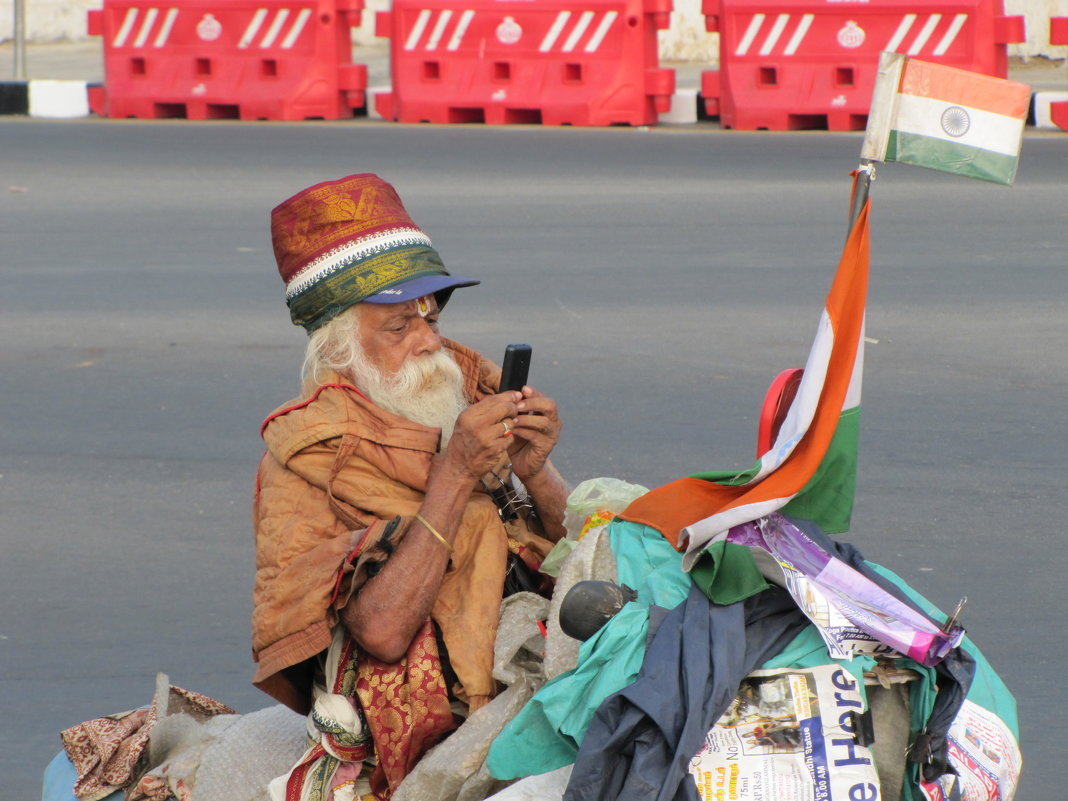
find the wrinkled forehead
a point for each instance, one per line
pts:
(420, 307)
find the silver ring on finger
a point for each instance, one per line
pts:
(507, 428)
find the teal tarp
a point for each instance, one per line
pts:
(546, 734)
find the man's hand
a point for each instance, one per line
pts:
(482, 434)
(535, 432)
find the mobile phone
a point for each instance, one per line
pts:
(515, 367)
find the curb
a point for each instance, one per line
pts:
(1041, 103)
(50, 99)
(45, 99)
(14, 97)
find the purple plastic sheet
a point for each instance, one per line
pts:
(860, 600)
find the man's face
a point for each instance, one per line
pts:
(405, 369)
(392, 333)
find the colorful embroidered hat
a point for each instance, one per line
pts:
(345, 242)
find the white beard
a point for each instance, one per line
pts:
(427, 390)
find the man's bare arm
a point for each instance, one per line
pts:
(388, 610)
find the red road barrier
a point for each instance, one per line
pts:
(1058, 35)
(556, 62)
(788, 64)
(272, 59)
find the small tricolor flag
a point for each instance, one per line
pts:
(810, 469)
(946, 119)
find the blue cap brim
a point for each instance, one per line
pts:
(419, 287)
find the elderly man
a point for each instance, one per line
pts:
(386, 515)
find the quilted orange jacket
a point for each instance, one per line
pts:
(337, 469)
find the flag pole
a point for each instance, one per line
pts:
(865, 175)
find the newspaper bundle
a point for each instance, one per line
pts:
(985, 756)
(789, 735)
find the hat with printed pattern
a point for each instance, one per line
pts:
(351, 241)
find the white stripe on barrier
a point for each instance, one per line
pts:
(146, 27)
(951, 34)
(1043, 109)
(461, 29)
(750, 34)
(576, 34)
(127, 25)
(901, 32)
(295, 31)
(165, 30)
(554, 32)
(776, 32)
(601, 32)
(275, 29)
(417, 29)
(925, 34)
(799, 34)
(439, 30)
(253, 28)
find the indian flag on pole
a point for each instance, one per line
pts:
(810, 469)
(946, 119)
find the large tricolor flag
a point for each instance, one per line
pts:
(946, 119)
(810, 469)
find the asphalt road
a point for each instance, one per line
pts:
(663, 277)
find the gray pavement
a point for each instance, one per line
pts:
(664, 276)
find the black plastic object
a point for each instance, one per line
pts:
(515, 368)
(518, 577)
(14, 97)
(590, 604)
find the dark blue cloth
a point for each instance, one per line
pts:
(640, 742)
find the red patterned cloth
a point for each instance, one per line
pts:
(407, 709)
(107, 752)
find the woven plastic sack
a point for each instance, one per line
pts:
(543, 787)
(455, 770)
(256, 748)
(592, 559)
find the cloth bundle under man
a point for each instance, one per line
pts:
(382, 547)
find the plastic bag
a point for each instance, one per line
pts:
(591, 505)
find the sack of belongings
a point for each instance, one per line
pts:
(788, 667)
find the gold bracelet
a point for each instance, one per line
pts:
(434, 531)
